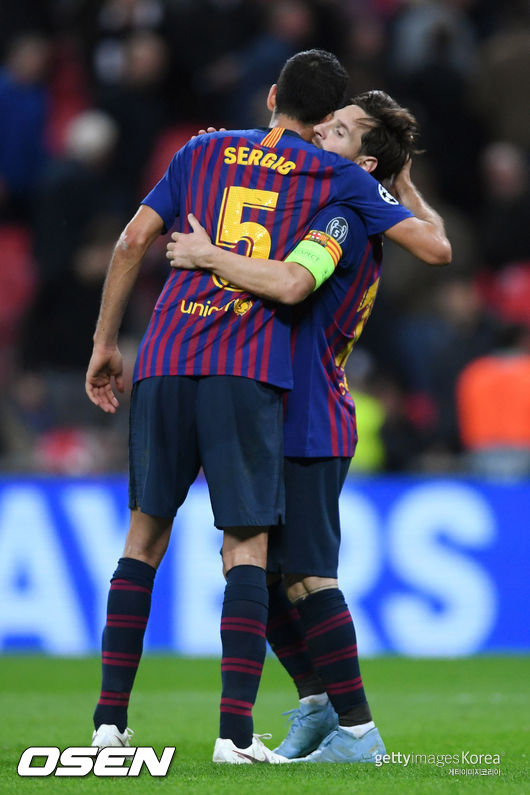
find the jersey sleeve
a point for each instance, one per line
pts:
(376, 206)
(164, 197)
(336, 236)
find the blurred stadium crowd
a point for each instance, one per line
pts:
(96, 95)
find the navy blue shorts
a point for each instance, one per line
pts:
(231, 426)
(309, 540)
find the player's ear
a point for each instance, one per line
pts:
(271, 99)
(367, 162)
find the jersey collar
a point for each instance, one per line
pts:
(285, 131)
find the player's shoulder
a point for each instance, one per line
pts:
(339, 228)
(340, 220)
(345, 226)
(253, 135)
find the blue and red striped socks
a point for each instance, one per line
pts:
(330, 637)
(243, 624)
(286, 636)
(128, 608)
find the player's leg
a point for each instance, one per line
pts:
(240, 439)
(315, 717)
(286, 636)
(311, 543)
(311, 523)
(243, 625)
(285, 631)
(163, 463)
(332, 645)
(128, 607)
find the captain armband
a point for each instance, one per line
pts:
(319, 254)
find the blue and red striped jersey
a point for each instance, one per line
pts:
(255, 192)
(319, 411)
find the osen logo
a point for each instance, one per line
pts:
(386, 196)
(79, 761)
(337, 229)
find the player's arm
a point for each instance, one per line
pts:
(106, 361)
(286, 282)
(424, 235)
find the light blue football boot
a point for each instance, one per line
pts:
(341, 746)
(310, 723)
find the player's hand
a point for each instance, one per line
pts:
(105, 365)
(208, 130)
(402, 181)
(189, 251)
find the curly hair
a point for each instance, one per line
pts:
(393, 136)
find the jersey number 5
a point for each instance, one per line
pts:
(231, 229)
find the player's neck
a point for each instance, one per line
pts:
(281, 120)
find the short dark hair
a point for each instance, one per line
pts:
(393, 137)
(311, 84)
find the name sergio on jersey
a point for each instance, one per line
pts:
(245, 156)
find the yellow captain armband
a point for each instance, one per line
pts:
(319, 254)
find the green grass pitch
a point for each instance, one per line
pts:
(479, 705)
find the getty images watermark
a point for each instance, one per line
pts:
(487, 763)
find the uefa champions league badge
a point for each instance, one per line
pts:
(337, 229)
(386, 196)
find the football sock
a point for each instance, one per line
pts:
(286, 637)
(332, 644)
(318, 699)
(243, 625)
(128, 608)
(359, 730)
